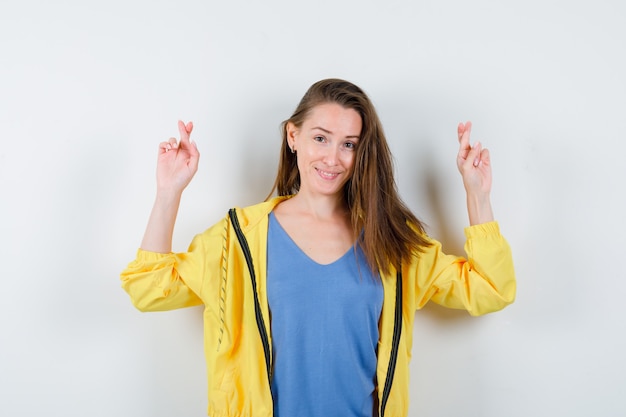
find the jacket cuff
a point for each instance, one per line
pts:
(484, 229)
(145, 255)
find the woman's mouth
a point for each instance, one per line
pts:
(327, 175)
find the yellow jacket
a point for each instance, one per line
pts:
(216, 272)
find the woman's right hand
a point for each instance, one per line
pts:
(177, 162)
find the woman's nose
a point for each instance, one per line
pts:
(331, 156)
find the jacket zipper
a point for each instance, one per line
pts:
(232, 213)
(397, 332)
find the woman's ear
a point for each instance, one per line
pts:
(292, 132)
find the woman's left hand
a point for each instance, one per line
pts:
(473, 163)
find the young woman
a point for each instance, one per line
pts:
(309, 297)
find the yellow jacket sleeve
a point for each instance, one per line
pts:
(153, 283)
(481, 283)
(158, 282)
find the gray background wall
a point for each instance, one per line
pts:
(89, 88)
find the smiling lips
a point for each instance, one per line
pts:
(327, 175)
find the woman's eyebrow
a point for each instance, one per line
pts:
(330, 133)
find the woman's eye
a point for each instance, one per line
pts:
(350, 145)
(319, 139)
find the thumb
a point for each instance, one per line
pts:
(474, 155)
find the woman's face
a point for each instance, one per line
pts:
(325, 147)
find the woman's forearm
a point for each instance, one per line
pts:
(158, 235)
(479, 209)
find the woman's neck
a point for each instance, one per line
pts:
(321, 207)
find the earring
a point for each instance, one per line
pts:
(292, 151)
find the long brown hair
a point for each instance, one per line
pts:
(387, 231)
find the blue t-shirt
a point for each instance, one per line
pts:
(324, 321)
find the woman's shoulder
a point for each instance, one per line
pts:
(250, 216)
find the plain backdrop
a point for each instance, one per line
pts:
(89, 88)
